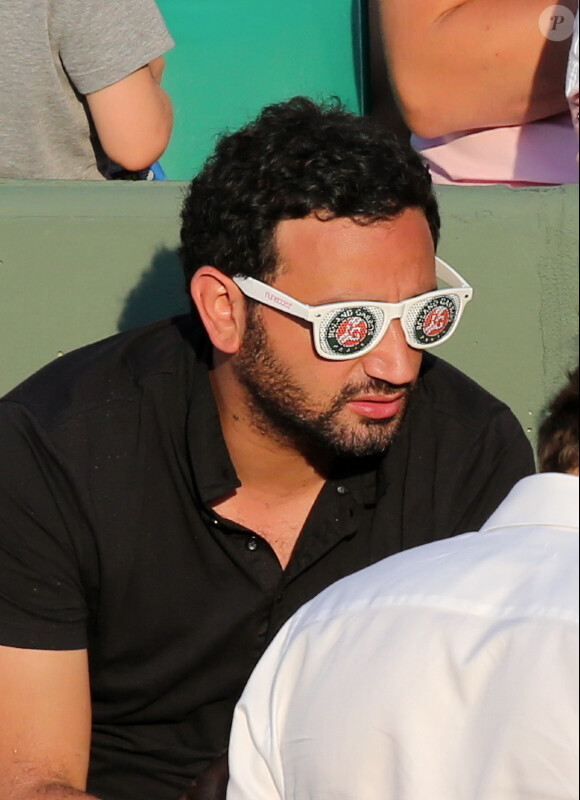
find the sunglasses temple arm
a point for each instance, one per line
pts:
(451, 277)
(263, 293)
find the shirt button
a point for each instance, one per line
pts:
(342, 490)
(252, 544)
(215, 521)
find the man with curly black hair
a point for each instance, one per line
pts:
(169, 497)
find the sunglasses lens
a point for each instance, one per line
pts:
(429, 322)
(349, 331)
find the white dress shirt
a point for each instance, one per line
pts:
(448, 672)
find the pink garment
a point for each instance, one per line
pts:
(572, 76)
(542, 152)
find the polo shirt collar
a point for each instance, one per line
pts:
(213, 470)
(214, 473)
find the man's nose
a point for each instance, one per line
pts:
(393, 360)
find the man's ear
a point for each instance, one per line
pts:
(221, 306)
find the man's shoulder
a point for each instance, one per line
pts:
(113, 370)
(448, 393)
(500, 571)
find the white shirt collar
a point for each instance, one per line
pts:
(546, 499)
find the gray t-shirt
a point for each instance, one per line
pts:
(54, 53)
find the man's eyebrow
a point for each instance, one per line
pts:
(367, 301)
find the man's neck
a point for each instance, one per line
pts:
(264, 462)
(279, 484)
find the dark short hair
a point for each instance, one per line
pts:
(296, 159)
(558, 448)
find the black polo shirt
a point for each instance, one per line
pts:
(109, 460)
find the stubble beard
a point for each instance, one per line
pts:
(280, 408)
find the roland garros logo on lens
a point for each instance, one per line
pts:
(435, 319)
(350, 331)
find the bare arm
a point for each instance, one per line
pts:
(134, 117)
(45, 724)
(461, 64)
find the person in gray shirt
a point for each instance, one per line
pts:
(81, 88)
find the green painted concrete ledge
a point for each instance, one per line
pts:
(80, 261)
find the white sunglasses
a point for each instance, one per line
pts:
(349, 330)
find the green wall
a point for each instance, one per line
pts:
(519, 248)
(232, 57)
(80, 261)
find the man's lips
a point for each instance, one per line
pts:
(377, 406)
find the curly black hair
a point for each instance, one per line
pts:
(296, 159)
(558, 438)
